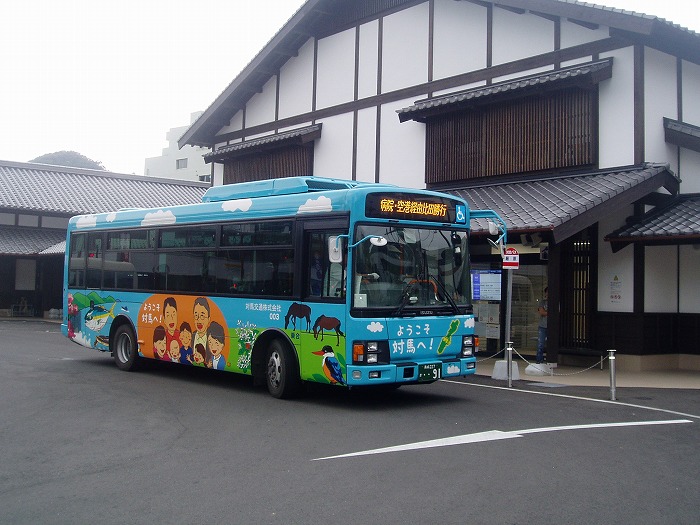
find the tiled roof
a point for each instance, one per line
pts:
(565, 205)
(591, 72)
(299, 136)
(682, 134)
(676, 222)
(56, 249)
(633, 14)
(29, 241)
(72, 191)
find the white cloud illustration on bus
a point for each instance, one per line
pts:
(86, 221)
(322, 204)
(159, 218)
(375, 327)
(237, 204)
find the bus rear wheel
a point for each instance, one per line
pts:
(124, 348)
(282, 371)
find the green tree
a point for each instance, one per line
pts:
(69, 159)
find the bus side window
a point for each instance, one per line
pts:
(94, 261)
(76, 263)
(324, 279)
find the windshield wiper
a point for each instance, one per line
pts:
(447, 296)
(405, 297)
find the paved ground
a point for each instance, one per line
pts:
(83, 442)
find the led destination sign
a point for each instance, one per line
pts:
(414, 207)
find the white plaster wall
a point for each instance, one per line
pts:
(260, 109)
(405, 48)
(521, 74)
(691, 88)
(235, 124)
(660, 100)
(296, 126)
(575, 61)
(335, 78)
(366, 145)
(457, 89)
(690, 171)
(333, 151)
(520, 36)
(660, 279)
(297, 82)
(401, 149)
(368, 61)
(689, 300)
(616, 112)
(459, 38)
(616, 270)
(218, 178)
(574, 34)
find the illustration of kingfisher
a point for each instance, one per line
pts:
(331, 366)
(97, 316)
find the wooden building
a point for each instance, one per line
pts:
(36, 201)
(579, 124)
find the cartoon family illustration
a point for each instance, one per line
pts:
(191, 330)
(205, 345)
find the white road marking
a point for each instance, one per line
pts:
(495, 435)
(567, 396)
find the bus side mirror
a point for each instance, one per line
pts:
(335, 254)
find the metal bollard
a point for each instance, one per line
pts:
(611, 358)
(509, 363)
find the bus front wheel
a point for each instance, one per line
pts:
(282, 371)
(124, 348)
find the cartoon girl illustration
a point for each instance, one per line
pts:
(197, 357)
(186, 349)
(159, 342)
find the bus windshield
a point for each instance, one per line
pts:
(415, 268)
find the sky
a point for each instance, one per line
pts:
(109, 79)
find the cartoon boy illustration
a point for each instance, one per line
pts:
(201, 313)
(170, 318)
(159, 343)
(186, 340)
(174, 351)
(215, 343)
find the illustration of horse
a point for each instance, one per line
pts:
(327, 323)
(298, 311)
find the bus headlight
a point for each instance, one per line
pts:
(370, 352)
(467, 345)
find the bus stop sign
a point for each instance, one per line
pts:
(511, 259)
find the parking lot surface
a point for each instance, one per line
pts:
(83, 442)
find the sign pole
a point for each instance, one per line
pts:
(509, 344)
(511, 261)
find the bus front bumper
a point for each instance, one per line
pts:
(410, 372)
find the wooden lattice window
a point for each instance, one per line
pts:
(536, 133)
(291, 161)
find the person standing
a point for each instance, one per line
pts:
(542, 308)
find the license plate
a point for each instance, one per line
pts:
(431, 372)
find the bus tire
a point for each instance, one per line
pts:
(125, 348)
(282, 372)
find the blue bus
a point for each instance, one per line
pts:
(292, 280)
